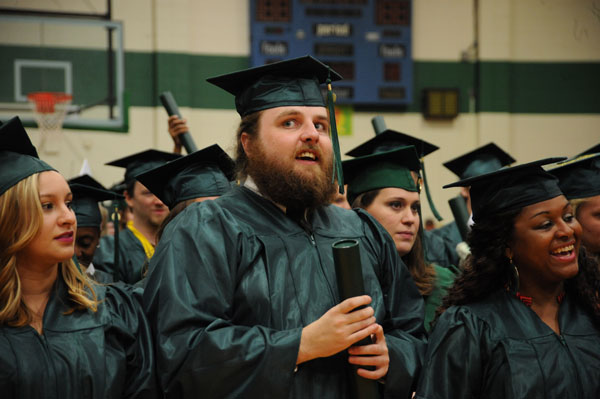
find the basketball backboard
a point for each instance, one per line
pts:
(77, 50)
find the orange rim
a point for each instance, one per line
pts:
(45, 101)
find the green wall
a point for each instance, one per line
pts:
(548, 87)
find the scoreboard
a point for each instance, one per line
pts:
(368, 42)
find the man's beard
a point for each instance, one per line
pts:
(288, 187)
(155, 221)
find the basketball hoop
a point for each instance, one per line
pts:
(49, 109)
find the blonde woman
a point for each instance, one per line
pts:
(61, 335)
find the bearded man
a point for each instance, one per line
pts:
(242, 291)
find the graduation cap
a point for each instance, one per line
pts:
(85, 203)
(592, 150)
(482, 160)
(86, 180)
(285, 83)
(579, 177)
(511, 188)
(380, 170)
(18, 157)
(142, 161)
(204, 173)
(290, 82)
(389, 140)
(118, 187)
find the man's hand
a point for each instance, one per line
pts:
(375, 354)
(176, 127)
(337, 329)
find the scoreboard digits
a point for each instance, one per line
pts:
(367, 41)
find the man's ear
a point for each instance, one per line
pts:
(508, 252)
(128, 198)
(464, 192)
(245, 140)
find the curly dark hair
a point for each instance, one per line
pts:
(488, 269)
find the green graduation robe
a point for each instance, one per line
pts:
(500, 348)
(443, 280)
(438, 250)
(445, 239)
(106, 354)
(131, 257)
(233, 282)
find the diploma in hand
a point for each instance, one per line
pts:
(348, 270)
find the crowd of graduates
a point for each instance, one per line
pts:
(207, 276)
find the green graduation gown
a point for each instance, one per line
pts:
(500, 348)
(449, 237)
(443, 279)
(438, 250)
(106, 354)
(131, 257)
(233, 282)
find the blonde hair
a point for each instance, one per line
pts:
(20, 220)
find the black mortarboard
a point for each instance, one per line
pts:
(380, 170)
(86, 180)
(85, 203)
(511, 188)
(18, 157)
(290, 82)
(204, 173)
(592, 150)
(389, 140)
(486, 159)
(286, 83)
(142, 161)
(118, 187)
(579, 177)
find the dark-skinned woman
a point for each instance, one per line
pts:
(522, 320)
(89, 226)
(61, 334)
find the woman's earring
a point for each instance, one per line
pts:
(515, 276)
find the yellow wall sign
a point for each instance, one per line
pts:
(343, 119)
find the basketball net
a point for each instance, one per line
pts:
(49, 110)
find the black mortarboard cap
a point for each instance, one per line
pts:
(118, 187)
(380, 170)
(486, 159)
(511, 188)
(579, 177)
(389, 140)
(86, 180)
(592, 150)
(284, 83)
(85, 204)
(204, 173)
(18, 157)
(142, 161)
